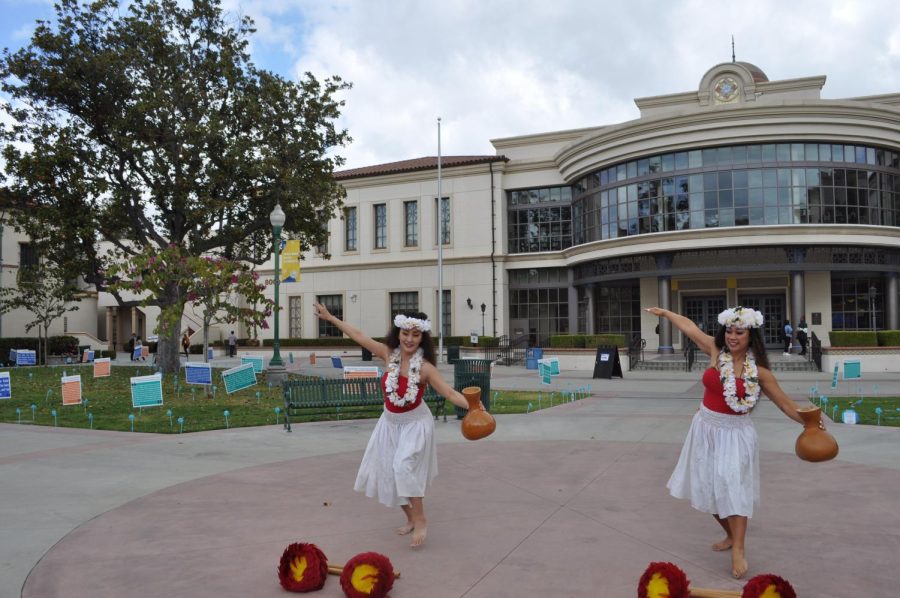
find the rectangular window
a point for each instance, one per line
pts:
(442, 221)
(404, 302)
(411, 226)
(295, 328)
(320, 217)
(380, 226)
(27, 256)
(350, 229)
(335, 304)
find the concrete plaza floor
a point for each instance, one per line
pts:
(568, 501)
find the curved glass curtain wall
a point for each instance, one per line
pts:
(740, 185)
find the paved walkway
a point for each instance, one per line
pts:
(568, 501)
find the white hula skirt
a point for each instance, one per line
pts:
(718, 469)
(400, 460)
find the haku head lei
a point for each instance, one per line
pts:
(406, 323)
(741, 317)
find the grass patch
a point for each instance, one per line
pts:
(108, 402)
(867, 409)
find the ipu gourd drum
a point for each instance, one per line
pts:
(477, 423)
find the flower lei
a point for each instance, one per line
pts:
(392, 383)
(750, 376)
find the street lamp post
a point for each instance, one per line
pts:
(276, 373)
(873, 292)
(483, 307)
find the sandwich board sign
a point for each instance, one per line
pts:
(606, 363)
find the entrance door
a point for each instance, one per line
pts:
(773, 311)
(704, 312)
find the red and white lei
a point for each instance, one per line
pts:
(392, 382)
(750, 376)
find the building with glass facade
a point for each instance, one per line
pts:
(741, 191)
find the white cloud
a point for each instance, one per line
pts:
(496, 68)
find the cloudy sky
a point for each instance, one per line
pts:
(493, 69)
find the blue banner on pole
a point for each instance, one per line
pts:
(198, 373)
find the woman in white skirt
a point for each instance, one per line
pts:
(718, 469)
(400, 460)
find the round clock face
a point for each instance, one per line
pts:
(726, 89)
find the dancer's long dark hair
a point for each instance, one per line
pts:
(757, 345)
(392, 340)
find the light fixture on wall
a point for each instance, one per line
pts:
(469, 303)
(353, 297)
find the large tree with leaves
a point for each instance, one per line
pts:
(143, 127)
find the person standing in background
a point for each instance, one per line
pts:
(803, 334)
(788, 333)
(232, 344)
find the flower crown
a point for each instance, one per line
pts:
(407, 323)
(741, 317)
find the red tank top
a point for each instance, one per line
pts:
(402, 383)
(714, 392)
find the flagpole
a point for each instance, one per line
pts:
(440, 240)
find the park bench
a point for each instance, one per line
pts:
(342, 397)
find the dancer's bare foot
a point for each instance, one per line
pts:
(723, 545)
(403, 530)
(418, 537)
(738, 563)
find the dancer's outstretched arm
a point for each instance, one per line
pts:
(706, 343)
(377, 349)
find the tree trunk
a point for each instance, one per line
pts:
(168, 357)
(168, 345)
(205, 340)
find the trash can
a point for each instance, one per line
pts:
(532, 355)
(366, 354)
(452, 353)
(473, 372)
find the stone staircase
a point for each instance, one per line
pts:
(677, 362)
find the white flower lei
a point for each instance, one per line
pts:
(750, 376)
(392, 383)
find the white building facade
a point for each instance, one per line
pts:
(742, 191)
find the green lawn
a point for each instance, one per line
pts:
(867, 409)
(107, 402)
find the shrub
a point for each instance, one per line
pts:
(567, 341)
(604, 340)
(853, 338)
(62, 345)
(888, 338)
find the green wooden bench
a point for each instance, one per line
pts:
(342, 397)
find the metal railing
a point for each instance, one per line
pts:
(815, 350)
(508, 351)
(636, 351)
(690, 354)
